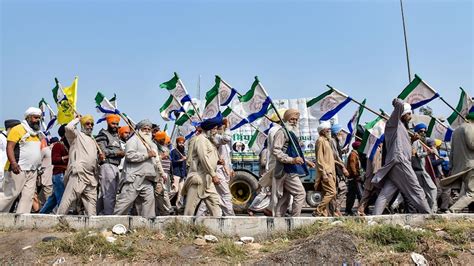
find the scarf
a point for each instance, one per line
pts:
(30, 132)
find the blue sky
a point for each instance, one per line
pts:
(295, 47)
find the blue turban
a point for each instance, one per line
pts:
(336, 128)
(211, 123)
(419, 127)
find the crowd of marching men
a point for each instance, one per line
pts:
(136, 170)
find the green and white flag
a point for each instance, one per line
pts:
(418, 93)
(176, 88)
(465, 105)
(326, 105)
(235, 120)
(171, 109)
(185, 123)
(226, 93)
(255, 102)
(212, 107)
(437, 130)
(373, 137)
(257, 141)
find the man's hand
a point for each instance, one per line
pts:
(220, 162)
(345, 172)
(120, 154)
(151, 153)
(298, 160)
(216, 180)
(183, 158)
(310, 164)
(164, 156)
(101, 157)
(165, 177)
(15, 168)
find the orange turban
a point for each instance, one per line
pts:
(180, 138)
(111, 118)
(167, 140)
(160, 135)
(123, 130)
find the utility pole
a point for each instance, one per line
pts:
(406, 42)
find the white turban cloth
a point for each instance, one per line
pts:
(324, 125)
(33, 111)
(406, 109)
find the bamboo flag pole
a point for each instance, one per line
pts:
(78, 114)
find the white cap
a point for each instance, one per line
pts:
(33, 111)
(324, 125)
(406, 109)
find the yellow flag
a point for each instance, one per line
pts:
(67, 104)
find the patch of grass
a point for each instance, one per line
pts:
(180, 229)
(302, 232)
(227, 248)
(63, 226)
(459, 231)
(85, 245)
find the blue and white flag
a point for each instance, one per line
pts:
(176, 88)
(352, 125)
(255, 102)
(326, 105)
(418, 93)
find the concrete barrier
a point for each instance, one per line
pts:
(230, 226)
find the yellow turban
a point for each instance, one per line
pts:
(438, 142)
(274, 116)
(87, 118)
(111, 118)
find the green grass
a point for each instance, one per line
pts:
(227, 248)
(180, 229)
(85, 245)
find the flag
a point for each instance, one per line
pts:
(352, 125)
(66, 99)
(255, 102)
(465, 105)
(166, 127)
(226, 93)
(212, 106)
(170, 109)
(373, 136)
(418, 93)
(257, 141)
(436, 130)
(235, 120)
(185, 123)
(326, 105)
(105, 106)
(176, 88)
(43, 105)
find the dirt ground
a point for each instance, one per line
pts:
(440, 242)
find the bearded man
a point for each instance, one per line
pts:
(202, 177)
(397, 173)
(109, 143)
(290, 166)
(178, 161)
(141, 171)
(80, 177)
(24, 159)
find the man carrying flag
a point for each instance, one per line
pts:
(109, 143)
(397, 172)
(83, 159)
(289, 167)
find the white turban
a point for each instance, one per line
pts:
(406, 109)
(324, 125)
(33, 111)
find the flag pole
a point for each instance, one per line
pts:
(282, 123)
(456, 111)
(406, 42)
(77, 113)
(191, 100)
(439, 122)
